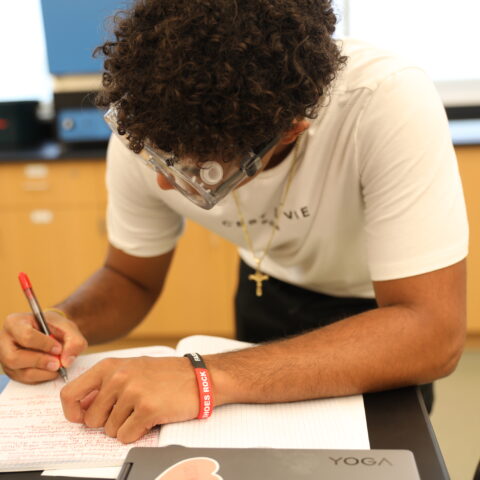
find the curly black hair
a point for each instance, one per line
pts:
(217, 77)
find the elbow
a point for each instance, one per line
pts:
(450, 346)
(450, 362)
(452, 356)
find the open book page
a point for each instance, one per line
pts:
(98, 472)
(337, 423)
(36, 435)
(334, 423)
(203, 344)
(207, 344)
(329, 423)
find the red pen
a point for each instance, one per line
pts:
(38, 314)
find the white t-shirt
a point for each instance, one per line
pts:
(376, 194)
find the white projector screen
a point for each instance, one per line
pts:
(441, 36)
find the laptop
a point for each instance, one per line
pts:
(182, 463)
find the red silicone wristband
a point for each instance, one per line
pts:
(204, 386)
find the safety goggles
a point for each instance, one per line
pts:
(204, 183)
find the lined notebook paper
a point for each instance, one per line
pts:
(36, 436)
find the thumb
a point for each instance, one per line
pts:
(68, 333)
(74, 344)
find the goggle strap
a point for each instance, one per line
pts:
(251, 166)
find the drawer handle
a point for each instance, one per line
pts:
(41, 216)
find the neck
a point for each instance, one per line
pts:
(279, 155)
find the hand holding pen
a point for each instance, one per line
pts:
(38, 314)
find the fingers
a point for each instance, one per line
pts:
(118, 415)
(30, 375)
(78, 394)
(26, 354)
(125, 419)
(87, 401)
(133, 428)
(16, 358)
(68, 333)
(23, 329)
(129, 396)
(100, 408)
(93, 398)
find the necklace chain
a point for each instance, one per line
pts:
(259, 277)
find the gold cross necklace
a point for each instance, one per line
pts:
(259, 277)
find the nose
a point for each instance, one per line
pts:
(163, 182)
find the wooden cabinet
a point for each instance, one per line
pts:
(469, 163)
(198, 295)
(52, 226)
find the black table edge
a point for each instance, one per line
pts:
(398, 419)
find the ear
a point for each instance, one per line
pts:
(298, 127)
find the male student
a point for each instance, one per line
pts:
(328, 163)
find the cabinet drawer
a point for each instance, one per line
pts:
(199, 291)
(469, 163)
(52, 183)
(58, 253)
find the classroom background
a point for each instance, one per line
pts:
(52, 195)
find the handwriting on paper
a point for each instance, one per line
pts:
(36, 435)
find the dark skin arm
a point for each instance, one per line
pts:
(108, 305)
(415, 336)
(117, 297)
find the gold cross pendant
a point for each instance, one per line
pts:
(258, 277)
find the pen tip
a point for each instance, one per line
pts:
(63, 373)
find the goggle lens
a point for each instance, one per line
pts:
(203, 183)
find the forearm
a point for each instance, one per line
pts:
(108, 305)
(380, 349)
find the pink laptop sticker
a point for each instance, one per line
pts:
(197, 468)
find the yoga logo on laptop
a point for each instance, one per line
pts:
(352, 461)
(197, 468)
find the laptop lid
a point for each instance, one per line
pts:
(182, 463)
